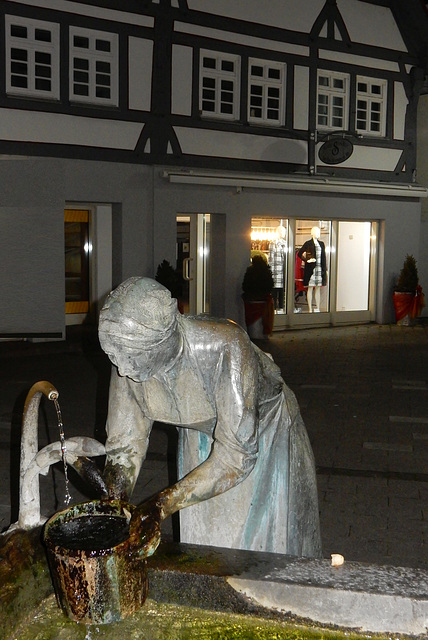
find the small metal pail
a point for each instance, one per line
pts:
(98, 578)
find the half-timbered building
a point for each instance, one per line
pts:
(139, 131)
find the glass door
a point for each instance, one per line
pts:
(194, 262)
(356, 270)
(77, 249)
(312, 251)
(270, 239)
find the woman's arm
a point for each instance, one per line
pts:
(128, 432)
(235, 445)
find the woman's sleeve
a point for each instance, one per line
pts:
(236, 393)
(235, 445)
(128, 432)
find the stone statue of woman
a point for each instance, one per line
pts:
(246, 468)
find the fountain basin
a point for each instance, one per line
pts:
(357, 596)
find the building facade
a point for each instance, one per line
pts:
(190, 131)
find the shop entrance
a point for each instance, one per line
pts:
(324, 270)
(201, 243)
(77, 251)
(88, 261)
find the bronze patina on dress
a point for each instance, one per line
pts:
(246, 468)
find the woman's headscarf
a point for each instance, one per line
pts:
(140, 312)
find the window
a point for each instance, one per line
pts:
(32, 58)
(93, 67)
(371, 106)
(266, 92)
(332, 100)
(219, 85)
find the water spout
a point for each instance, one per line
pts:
(34, 462)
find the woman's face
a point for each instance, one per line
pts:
(141, 364)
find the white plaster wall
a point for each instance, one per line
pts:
(296, 15)
(128, 188)
(223, 144)
(181, 89)
(91, 11)
(32, 286)
(301, 98)
(60, 128)
(140, 75)
(400, 106)
(371, 24)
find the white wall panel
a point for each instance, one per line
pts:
(240, 38)
(181, 98)
(301, 98)
(297, 15)
(363, 61)
(58, 128)
(400, 106)
(92, 11)
(140, 73)
(203, 142)
(371, 24)
(31, 248)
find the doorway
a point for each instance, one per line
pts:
(77, 250)
(200, 246)
(88, 260)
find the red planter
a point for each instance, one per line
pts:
(408, 304)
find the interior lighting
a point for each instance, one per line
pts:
(259, 235)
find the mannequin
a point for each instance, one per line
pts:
(315, 275)
(277, 253)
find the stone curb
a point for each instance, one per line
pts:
(360, 597)
(357, 596)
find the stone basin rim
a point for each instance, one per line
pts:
(358, 596)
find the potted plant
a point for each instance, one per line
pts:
(257, 287)
(408, 296)
(170, 279)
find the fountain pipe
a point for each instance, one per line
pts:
(34, 462)
(29, 499)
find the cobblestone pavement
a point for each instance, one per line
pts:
(363, 393)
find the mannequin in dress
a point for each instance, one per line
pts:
(277, 253)
(315, 275)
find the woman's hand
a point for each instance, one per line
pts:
(145, 532)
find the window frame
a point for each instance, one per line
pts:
(266, 83)
(331, 92)
(371, 99)
(93, 56)
(32, 46)
(217, 76)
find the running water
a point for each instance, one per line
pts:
(67, 498)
